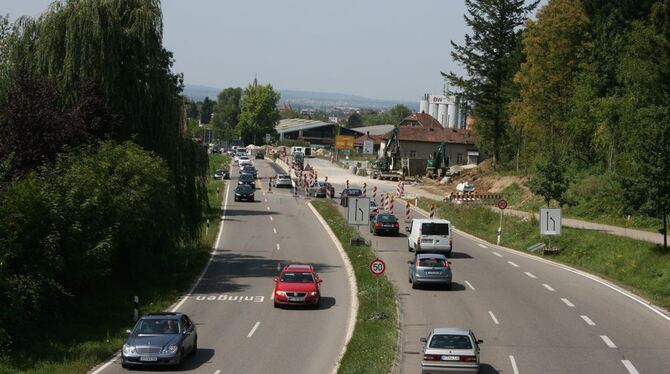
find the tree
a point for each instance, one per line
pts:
(488, 58)
(398, 113)
(192, 110)
(227, 112)
(553, 47)
(354, 120)
(259, 114)
(206, 110)
(549, 180)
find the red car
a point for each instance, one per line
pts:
(297, 285)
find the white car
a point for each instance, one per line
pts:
(239, 158)
(244, 160)
(450, 350)
(430, 235)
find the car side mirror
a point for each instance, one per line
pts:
(319, 281)
(410, 262)
(407, 229)
(449, 262)
(276, 279)
(479, 341)
(128, 332)
(423, 340)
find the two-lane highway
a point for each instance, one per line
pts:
(239, 331)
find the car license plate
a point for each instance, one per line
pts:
(426, 240)
(297, 299)
(387, 225)
(148, 358)
(450, 358)
(433, 272)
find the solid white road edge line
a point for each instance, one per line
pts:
(608, 341)
(513, 362)
(588, 320)
(495, 320)
(183, 299)
(568, 303)
(353, 288)
(253, 329)
(531, 275)
(469, 285)
(513, 264)
(657, 310)
(630, 367)
(548, 287)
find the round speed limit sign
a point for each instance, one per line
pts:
(377, 267)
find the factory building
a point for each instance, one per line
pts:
(446, 109)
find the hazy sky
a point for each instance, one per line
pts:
(385, 49)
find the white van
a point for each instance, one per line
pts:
(295, 149)
(430, 236)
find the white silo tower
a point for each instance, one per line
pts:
(432, 110)
(423, 104)
(442, 114)
(453, 113)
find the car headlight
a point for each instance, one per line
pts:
(172, 348)
(128, 349)
(281, 293)
(315, 293)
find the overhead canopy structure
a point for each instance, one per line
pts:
(312, 131)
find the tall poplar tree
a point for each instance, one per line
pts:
(490, 61)
(259, 114)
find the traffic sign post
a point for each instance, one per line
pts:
(502, 204)
(550, 223)
(377, 268)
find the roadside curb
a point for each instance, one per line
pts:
(353, 287)
(613, 286)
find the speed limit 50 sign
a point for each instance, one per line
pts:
(377, 267)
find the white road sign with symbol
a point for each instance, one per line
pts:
(550, 221)
(377, 267)
(358, 212)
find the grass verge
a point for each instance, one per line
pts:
(90, 332)
(372, 346)
(637, 265)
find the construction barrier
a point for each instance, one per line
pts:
(391, 204)
(407, 211)
(365, 189)
(471, 196)
(374, 193)
(400, 188)
(347, 183)
(270, 185)
(432, 210)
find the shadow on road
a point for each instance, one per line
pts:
(245, 212)
(487, 369)
(460, 255)
(192, 362)
(432, 287)
(326, 303)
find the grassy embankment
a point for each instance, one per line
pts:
(91, 332)
(639, 266)
(372, 346)
(588, 210)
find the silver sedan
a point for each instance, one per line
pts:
(430, 268)
(450, 350)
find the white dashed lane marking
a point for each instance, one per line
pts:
(548, 287)
(588, 321)
(497, 254)
(530, 275)
(469, 285)
(630, 367)
(513, 362)
(608, 341)
(495, 320)
(568, 303)
(271, 219)
(278, 248)
(268, 208)
(513, 264)
(253, 330)
(274, 230)
(482, 245)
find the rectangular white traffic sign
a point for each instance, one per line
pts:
(358, 212)
(550, 221)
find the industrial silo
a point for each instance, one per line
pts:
(423, 104)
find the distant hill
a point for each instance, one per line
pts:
(309, 99)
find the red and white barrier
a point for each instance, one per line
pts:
(407, 211)
(374, 193)
(432, 210)
(365, 189)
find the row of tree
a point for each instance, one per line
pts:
(580, 90)
(98, 185)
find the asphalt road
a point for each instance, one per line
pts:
(239, 331)
(534, 316)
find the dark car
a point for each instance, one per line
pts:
(247, 179)
(221, 174)
(349, 192)
(260, 155)
(249, 169)
(244, 192)
(384, 223)
(160, 339)
(320, 189)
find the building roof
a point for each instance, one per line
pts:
(435, 135)
(420, 119)
(376, 139)
(296, 124)
(374, 130)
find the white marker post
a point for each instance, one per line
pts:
(502, 204)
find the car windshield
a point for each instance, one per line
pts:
(431, 262)
(373, 204)
(355, 192)
(450, 342)
(220, 171)
(155, 326)
(246, 177)
(386, 218)
(435, 229)
(244, 157)
(244, 188)
(297, 277)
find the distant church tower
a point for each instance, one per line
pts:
(255, 84)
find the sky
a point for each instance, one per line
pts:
(382, 49)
